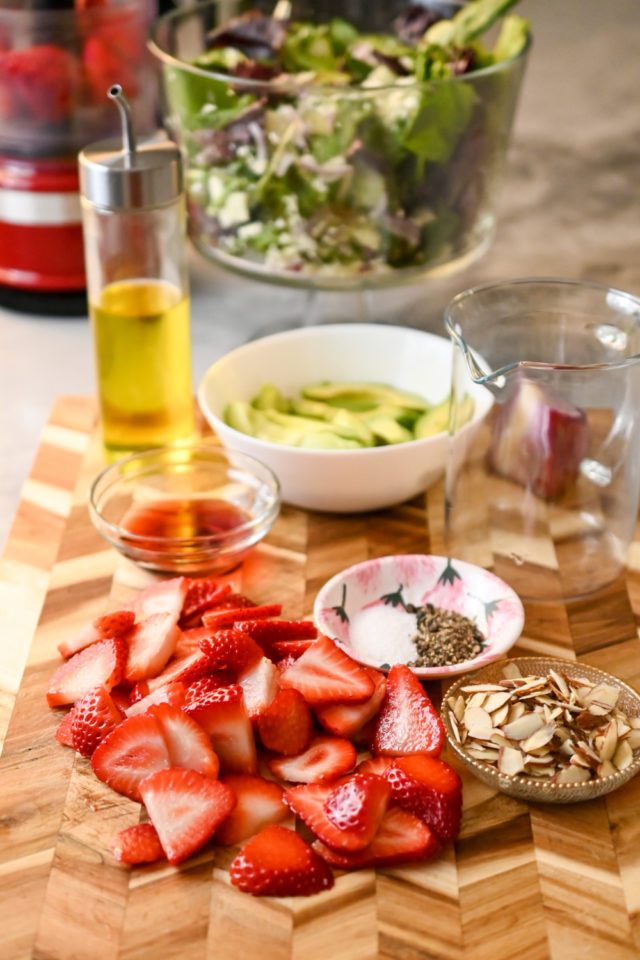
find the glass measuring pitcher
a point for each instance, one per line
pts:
(543, 489)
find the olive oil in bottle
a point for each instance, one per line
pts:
(143, 357)
(134, 225)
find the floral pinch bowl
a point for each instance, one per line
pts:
(364, 609)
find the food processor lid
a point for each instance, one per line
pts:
(122, 175)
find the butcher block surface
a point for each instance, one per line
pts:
(523, 881)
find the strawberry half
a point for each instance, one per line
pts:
(356, 806)
(63, 731)
(324, 759)
(401, 838)
(221, 618)
(286, 725)
(259, 803)
(269, 632)
(165, 596)
(189, 746)
(138, 844)
(94, 715)
(135, 749)
(346, 719)
(110, 625)
(201, 596)
(260, 685)
(223, 716)
(407, 721)
(346, 815)
(429, 788)
(173, 693)
(185, 808)
(151, 643)
(279, 863)
(231, 649)
(326, 674)
(100, 665)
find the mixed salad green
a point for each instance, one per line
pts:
(319, 148)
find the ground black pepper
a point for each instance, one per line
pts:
(444, 637)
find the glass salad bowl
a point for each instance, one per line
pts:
(341, 147)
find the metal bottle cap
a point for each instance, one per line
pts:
(122, 175)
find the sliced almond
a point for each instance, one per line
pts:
(523, 727)
(623, 755)
(478, 723)
(572, 775)
(607, 742)
(540, 738)
(510, 761)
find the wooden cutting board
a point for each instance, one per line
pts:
(523, 881)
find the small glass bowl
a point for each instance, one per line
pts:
(190, 476)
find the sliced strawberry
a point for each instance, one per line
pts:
(344, 815)
(185, 808)
(282, 649)
(260, 685)
(346, 719)
(259, 803)
(324, 759)
(173, 693)
(121, 698)
(63, 732)
(407, 721)
(189, 641)
(110, 625)
(189, 746)
(151, 643)
(269, 632)
(218, 619)
(100, 665)
(197, 689)
(286, 725)
(232, 650)
(232, 601)
(187, 670)
(165, 596)
(94, 716)
(129, 753)
(138, 844)
(377, 765)
(356, 806)
(283, 665)
(429, 788)
(45, 81)
(223, 716)
(325, 674)
(279, 863)
(401, 838)
(201, 596)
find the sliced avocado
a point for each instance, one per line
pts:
(403, 415)
(240, 416)
(309, 425)
(433, 421)
(375, 393)
(436, 420)
(346, 420)
(270, 398)
(313, 408)
(389, 430)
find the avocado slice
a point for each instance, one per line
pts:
(389, 430)
(436, 420)
(270, 398)
(374, 393)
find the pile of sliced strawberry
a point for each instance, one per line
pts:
(224, 719)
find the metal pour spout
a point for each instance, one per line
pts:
(116, 94)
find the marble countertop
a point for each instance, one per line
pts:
(569, 207)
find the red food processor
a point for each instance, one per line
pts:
(58, 59)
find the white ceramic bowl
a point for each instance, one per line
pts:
(364, 609)
(342, 481)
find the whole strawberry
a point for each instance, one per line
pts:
(94, 716)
